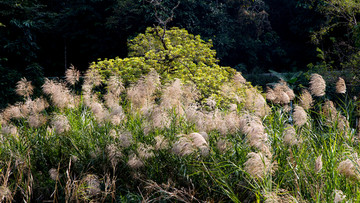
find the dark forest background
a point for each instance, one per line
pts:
(44, 37)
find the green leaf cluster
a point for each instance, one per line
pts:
(173, 53)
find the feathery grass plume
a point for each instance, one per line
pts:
(5, 194)
(87, 94)
(134, 162)
(36, 120)
(256, 102)
(60, 95)
(232, 122)
(100, 113)
(171, 97)
(125, 138)
(300, 116)
(317, 85)
(92, 185)
(290, 137)
(254, 130)
(283, 98)
(306, 100)
(258, 165)
(12, 111)
(271, 197)
(199, 141)
(115, 87)
(238, 79)
(145, 151)
(350, 168)
(183, 146)
(232, 107)
(281, 94)
(223, 145)
(117, 115)
(318, 164)
(271, 95)
(72, 75)
(114, 154)
(213, 121)
(92, 77)
(282, 86)
(161, 142)
(211, 102)
(38, 105)
(339, 196)
(194, 115)
(340, 86)
(189, 94)
(60, 123)
(229, 91)
(141, 93)
(329, 111)
(10, 130)
(74, 158)
(24, 88)
(205, 135)
(2, 120)
(54, 173)
(158, 118)
(342, 123)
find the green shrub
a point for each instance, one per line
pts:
(173, 53)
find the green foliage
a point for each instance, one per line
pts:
(173, 53)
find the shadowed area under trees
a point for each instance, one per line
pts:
(46, 37)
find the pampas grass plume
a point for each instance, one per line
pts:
(290, 135)
(340, 86)
(300, 116)
(306, 100)
(348, 169)
(24, 88)
(258, 165)
(72, 75)
(317, 85)
(134, 162)
(318, 164)
(339, 196)
(54, 174)
(60, 123)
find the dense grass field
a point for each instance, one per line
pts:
(93, 141)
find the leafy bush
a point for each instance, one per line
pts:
(173, 53)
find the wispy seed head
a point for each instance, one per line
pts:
(258, 165)
(306, 100)
(134, 162)
(300, 116)
(317, 85)
(72, 75)
(60, 123)
(36, 120)
(54, 174)
(318, 164)
(340, 86)
(24, 88)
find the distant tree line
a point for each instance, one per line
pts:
(44, 37)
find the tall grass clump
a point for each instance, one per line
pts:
(149, 141)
